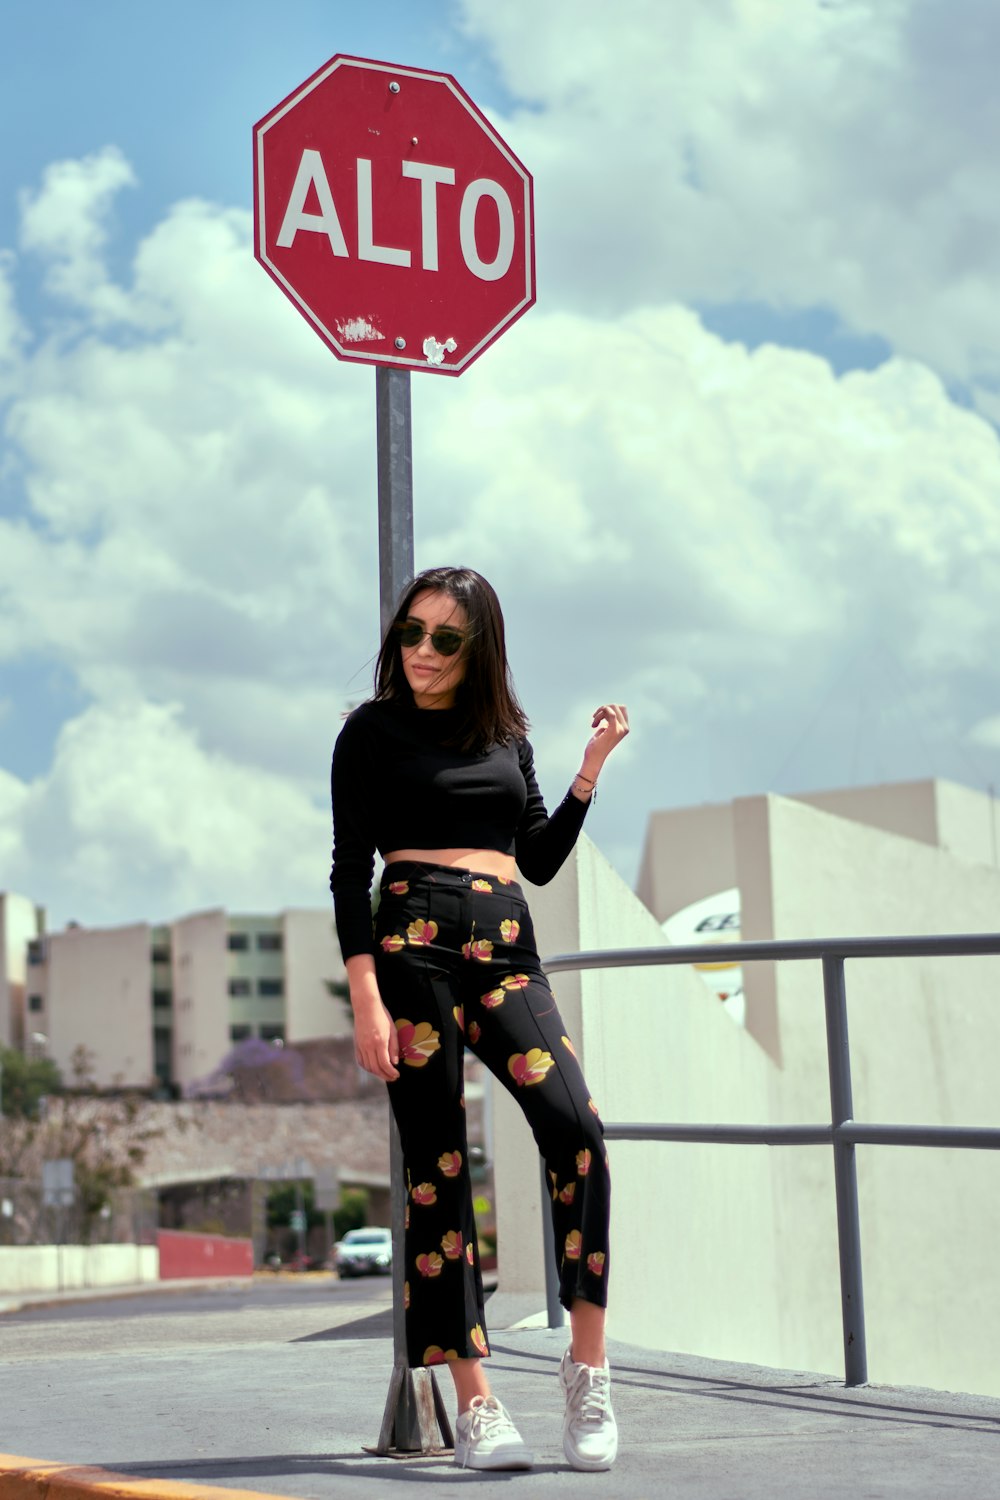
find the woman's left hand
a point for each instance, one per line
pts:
(610, 722)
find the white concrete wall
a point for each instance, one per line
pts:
(50, 1268)
(968, 823)
(312, 956)
(201, 998)
(731, 1251)
(925, 1041)
(904, 807)
(98, 996)
(655, 1047)
(688, 853)
(955, 818)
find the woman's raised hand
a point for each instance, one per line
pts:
(610, 723)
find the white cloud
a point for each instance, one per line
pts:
(134, 819)
(12, 798)
(13, 334)
(987, 732)
(841, 156)
(66, 224)
(750, 551)
(724, 540)
(200, 487)
(755, 495)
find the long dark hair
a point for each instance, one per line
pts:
(490, 713)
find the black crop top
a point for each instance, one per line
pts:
(396, 786)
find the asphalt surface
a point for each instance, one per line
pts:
(279, 1393)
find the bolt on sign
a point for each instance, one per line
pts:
(392, 214)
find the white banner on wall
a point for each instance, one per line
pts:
(713, 919)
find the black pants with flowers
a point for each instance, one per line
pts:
(457, 967)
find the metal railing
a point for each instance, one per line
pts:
(843, 1133)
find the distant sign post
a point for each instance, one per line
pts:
(59, 1191)
(399, 224)
(58, 1184)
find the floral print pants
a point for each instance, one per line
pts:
(457, 967)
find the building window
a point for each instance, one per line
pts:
(162, 999)
(239, 986)
(269, 942)
(238, 942)
(240, 1033)
(36, 1002)
(36, 954)
(160, 953)
(161, 1053)
(272, 1033)
(270, 987)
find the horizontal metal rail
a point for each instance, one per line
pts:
(949, 945)
(843, 1132)
(967, 1137)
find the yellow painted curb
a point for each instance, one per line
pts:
(31, 1479)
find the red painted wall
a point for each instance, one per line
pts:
(184, 1254)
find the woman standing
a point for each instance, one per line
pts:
(435, 773)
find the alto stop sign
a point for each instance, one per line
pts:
(393, 215)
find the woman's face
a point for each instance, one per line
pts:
(433, 678)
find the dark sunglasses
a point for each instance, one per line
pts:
(446, 642)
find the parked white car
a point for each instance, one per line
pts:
(364, 1252)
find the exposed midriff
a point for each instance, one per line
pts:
(486, 861)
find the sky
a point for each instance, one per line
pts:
(738, 468)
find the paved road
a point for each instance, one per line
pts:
(278, 1390)
(268, 1311)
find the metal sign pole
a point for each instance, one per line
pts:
(415, 1420)
(395, 486)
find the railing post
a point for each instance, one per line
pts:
(556, 1313)
(845, 1174)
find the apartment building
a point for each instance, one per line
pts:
(162, 1005)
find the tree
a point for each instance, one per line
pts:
(106, 1137)
(24, 1081)
(253, 1070)
(353, 1211)
(283, 1198)
(339, 989)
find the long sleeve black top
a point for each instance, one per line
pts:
(396, 785)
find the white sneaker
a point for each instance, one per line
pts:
(486, 1438)
(590, 1432)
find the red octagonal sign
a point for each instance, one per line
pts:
(393, 215)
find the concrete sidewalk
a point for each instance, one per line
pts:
(293, 1418)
